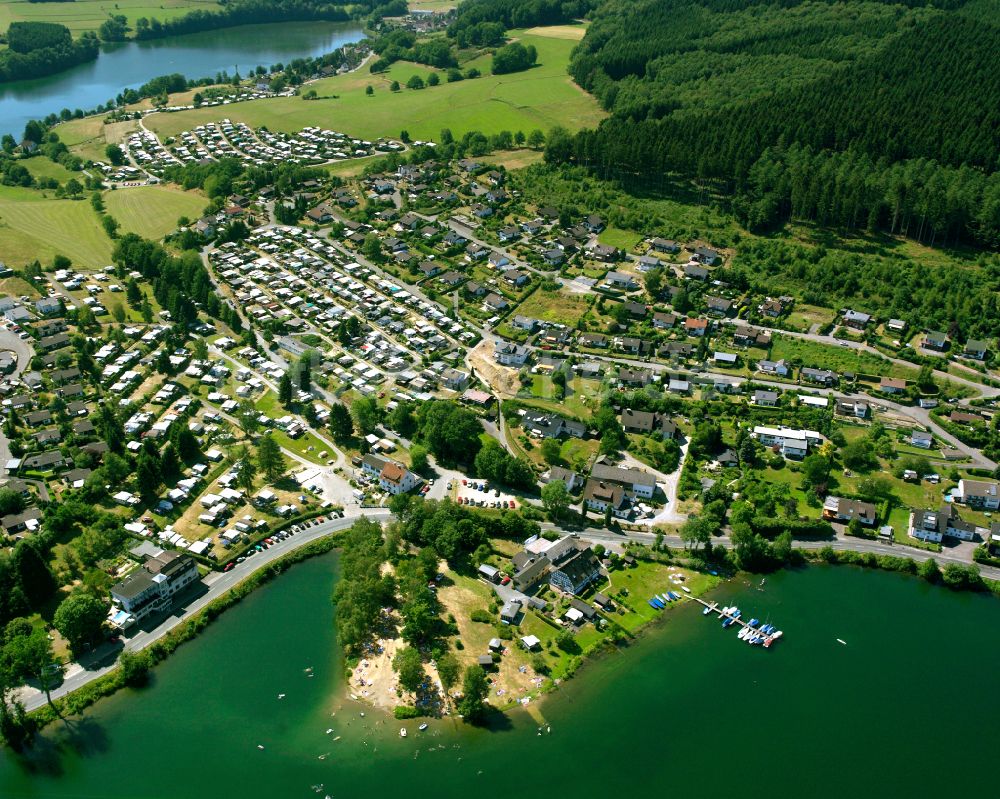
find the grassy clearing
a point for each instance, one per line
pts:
(513, 159)
(537, 98)
(32, 226)
(839, 359)
(555, 306)
(85, 137)
(581, 397)
(87, 15)
(571, 32)
(152, 211)
(18, 287)
(41, 167)
(622, 239)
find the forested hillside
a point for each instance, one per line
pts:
(862, 114)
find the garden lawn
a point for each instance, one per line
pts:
(541, 97)
(34, 227)
(152, 211)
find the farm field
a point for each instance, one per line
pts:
(541, 97)
(33, 227)
(152, 211)
(87, 15)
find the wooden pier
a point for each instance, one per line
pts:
(717, 609)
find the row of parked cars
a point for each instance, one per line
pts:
(486, 503)
(271, 540)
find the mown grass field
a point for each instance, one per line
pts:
(34, 227)
(41, 167)
(152, 211)
(87, 15)
(541, 97)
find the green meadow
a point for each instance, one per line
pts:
(541, 97)
(33, 226)
(87, 15)
(152, 211)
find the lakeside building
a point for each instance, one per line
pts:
(153, 586)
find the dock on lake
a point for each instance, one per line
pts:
(713, 607)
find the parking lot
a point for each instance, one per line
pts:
(481, 494)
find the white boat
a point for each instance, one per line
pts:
(402, 732)
(685, 589)
(423, 726)
(743, 633)
(777, 634)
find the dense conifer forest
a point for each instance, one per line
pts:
(859, 115)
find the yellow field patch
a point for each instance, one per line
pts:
(572, 32)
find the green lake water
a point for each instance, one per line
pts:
(901, 710)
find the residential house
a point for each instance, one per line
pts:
(695, 327)
(975, 349)
(931, 525)
(922, 439)
(637, 482)
(695, 272)
(719, 306)
(509, 354)
(510, 611)
(705, 255)
(780, 368)
(571, 479)
(765, 399)
(978, 494)
(664, 245)
(855, 408)
(790, 442)
(647, 422)
(551, 425)
(823, 377)
(595, 340)
(664, 321)
(397, 479)
(856, 319)
(935, 340)
(838, 509)
(599, 496)
(892, 385)
(495, 302)
(621, 280)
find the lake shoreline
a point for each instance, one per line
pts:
(82, 698)
(197, 55)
